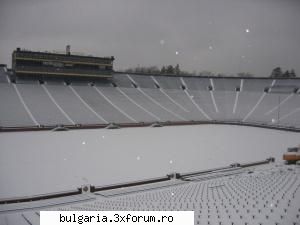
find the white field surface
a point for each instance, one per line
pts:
(43, 162)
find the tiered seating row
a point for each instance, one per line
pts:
(137, 99)
(266, 195)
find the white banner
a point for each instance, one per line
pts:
(117, 217)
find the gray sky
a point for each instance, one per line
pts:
(223, 36)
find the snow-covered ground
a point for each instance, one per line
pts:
(43, 162)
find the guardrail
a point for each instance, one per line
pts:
(168, 177)
(231, 168)
(40, 197)
(129, 184)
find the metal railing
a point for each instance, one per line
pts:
(178, 176)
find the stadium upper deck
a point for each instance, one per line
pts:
(44, 64)
(133, 99)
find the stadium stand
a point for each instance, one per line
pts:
(290, 111)
(25, 80)
(78, 82)
(261, 194)
(150, 105)
(286, 85)
(42, 108)
(138, 99)
(257, 194)
(53, 81)
(101, 105)
(168, 82)
(226, 103)
(122, 81)
(143, 81)
(61, 92)
(195, 83)
(165, 103)
(247, 104)
(185, 102)
(69, 102)
(130, 108)
(256, 85)
(269, 101)
(226, 84)
(203, 101)
(102, 83)
(13, 113)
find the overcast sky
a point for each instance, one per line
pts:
(222, 36)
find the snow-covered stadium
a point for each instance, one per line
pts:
(205, 144)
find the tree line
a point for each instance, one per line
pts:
(165, 70)
(278, 73)
(176, 70)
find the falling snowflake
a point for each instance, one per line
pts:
(162, 42)
(171, 161)
(83, 142)
(247, 30)
(210, 47)
(176, 52)
(138, 158)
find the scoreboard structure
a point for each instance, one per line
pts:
(27, 63)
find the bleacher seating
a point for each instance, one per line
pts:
(12, 112)
(76, 110)
(127, 105)
(286, 85)
(148, 105)
(122, 81)
(263, 195)
(225, 102)
(246, 102)
(269, 101)
(256, 85)
(267, 196)
(40, 105)
(168, 82)
(195, 83)
(101, 105)
(132, 98)
(226, 84)
(204, 102)
(185, 103)
(143, 81)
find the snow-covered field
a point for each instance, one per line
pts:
(43, 162)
